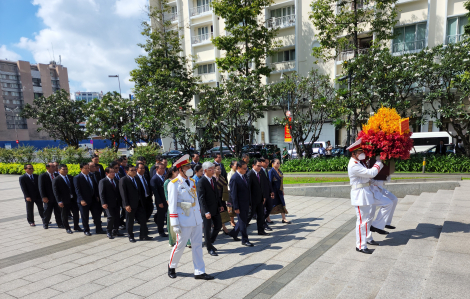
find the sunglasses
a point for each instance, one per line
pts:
(29, 168)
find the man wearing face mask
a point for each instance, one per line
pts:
(185, 219)
(362, 198)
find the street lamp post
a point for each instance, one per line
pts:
(348, 76)
(220, 134)
(117, 76)
(288, 109)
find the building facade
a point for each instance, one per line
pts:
(88, 96)
(421, 23)
(20, 83)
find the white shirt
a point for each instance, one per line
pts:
(359, 174)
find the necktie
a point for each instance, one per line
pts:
(32, 178)
(243, 177)
(112, 182)
(266, 172)
(52, 175)
(134, 183)
(145, 188)
(187, 182)
(117, 176)
(257, 175)
(212, 184)
(89, 182)
(67, 181)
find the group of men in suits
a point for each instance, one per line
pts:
(120, 191)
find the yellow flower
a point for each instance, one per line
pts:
(386, 120)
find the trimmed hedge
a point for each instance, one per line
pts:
(14, 168)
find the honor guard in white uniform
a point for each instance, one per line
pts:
(377, 186)
(185, 219)
(362, 197)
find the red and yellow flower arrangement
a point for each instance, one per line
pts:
(387, 134)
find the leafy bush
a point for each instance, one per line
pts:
(24, 154)
(107, 155)
(50, 154)
(149, 152)
(39, 168)
(316, 164)
(72, 155)
(7, 155)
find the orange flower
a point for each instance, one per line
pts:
(386, 120)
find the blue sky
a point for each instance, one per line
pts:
(95, 38)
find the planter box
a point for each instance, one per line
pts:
(389, 168)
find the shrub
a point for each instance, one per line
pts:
(72, 155)
(24, 154)
(7, 155)
(150, 152)
(107, 155)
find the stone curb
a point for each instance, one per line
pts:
(399, 189)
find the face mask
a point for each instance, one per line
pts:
(361, 156)
(189, 173)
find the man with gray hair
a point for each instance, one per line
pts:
(211, 206)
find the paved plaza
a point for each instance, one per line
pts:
(427, 256)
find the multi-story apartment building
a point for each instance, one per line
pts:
(88, 96)
(421, 23)
(20, 83)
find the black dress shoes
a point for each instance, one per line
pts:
(117, 233)
(171, 272)
(203, 276)
(247, 244)
(60, 226)
(213, 248)
(122, 227)
(163, 235)
(213, 253)
(78, 229)
(263, 234)
(132, 240)
(390, 226)
(110, 236)
(101, 232)
(270, 222)
(366, 250)
(69, 231)
(373, 243)
(378, 230)
(145, 238)
(45, 226)
(87, 234)
(266, 227)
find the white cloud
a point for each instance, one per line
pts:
(93, 39)
(126, 8)
(7, 54)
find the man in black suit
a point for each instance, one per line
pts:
(258, 197)
(88, 199)
(64, 192)
(267, 191)
(99, 172)
(29, 184)
(110, 201)
(195, 161)
(211, 206)
(115, 166)
(153, 169)
(441, 148)
(117, 175)
(218, 161)
(241, 202)
(47, 195)
(123, 163)
(145, 191)
(156, 183)
(142, 160)
(132, 200)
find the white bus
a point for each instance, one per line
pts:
(425, 141)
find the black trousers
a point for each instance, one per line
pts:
(148, 207)
(258, 209)
(240, 227)
(30, 209)
(123, 214)
(64, 212)
(48, 208)
(112, 214)
(209, 237)
(269, 207)
(139, 214)
(160, 217)
(95, 209)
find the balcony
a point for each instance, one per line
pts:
(203, 38)
(452, 39)
(408, 47)
(199, 10)
(171, 17)
(349, 54)
(283, 66)
(281, 22)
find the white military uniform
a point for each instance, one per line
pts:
(362, 198)
(190, 221)
(385, 214)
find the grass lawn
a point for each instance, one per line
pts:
(342, 172)
(310, 180)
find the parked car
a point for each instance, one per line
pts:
(172, 154)
(433, 150)
(226, 151)
(339, 151)
(253, 150)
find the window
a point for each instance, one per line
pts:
(410, 38)
(455, 29)
(206, 69)
(13, 85)
(174, 9)
(5, 84)
(37, 95)
(12, 77)
(203, 2)
(282, 56)
(37, 82)
(204, 30)
(283, 11)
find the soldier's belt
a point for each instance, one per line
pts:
(179, 204)
(359, 186)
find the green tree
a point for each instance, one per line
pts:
(446, 91)
(164, 82)
(467, 27)
(114, 118)
(248, 41)
(311, 101)
(59, 116)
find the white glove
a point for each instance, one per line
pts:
(381, 165)
(177, 229)
(377, 158)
